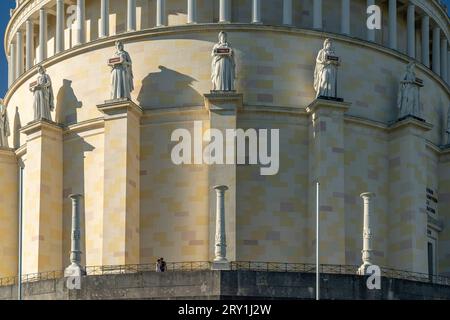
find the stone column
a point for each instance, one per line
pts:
(287, 12)
(367, 233)
(81, 24)
(220, 260)
(9, 206)
(192, 11)
(448, 67)
(42, 35)
(444, 51)
(223, 110)
(121, 203)
(407, 226)
(426, 40)
(20, 60)
(43, 201)
(10, 71)
(317, 14)
(393, 24)
(345, 17)
(75, 269)
(326, 154)
(104, 18)
(29, 47)
(256, 11)
(436, 50)
(131, 15)
(13, 61)
(225, 11)
(370, 33)
(411, 32)
(160, 13)
(59, 26)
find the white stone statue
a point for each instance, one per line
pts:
(4, 126)
(223, 67)
(121, 74)
(408, 101)
(43, 102)
(325, 73)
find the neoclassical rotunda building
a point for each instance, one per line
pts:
(137, 205)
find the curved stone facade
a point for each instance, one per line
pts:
(139, 206)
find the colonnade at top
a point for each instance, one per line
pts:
(22, 54)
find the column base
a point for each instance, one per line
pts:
(74, 270)
(362, 271)
(221, 265)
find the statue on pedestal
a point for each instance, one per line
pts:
(408, 101)
(121, 74)
(325, 73)
(44, 101)
(223, 67)
(4, 126)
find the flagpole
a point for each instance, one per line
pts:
(317, 243)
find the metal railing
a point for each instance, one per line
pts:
(32, 277)
(235, 266)
(139, 268)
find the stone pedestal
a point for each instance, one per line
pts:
(326, 165)
(407, 225)
(43, 197)
(8, 212)
(223, 109)
(121, 182)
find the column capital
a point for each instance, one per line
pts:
(327, 104)
(216, 101)
(40, 125)
(75, 196)
(367, 195)
(7, 153)
(220, 188)
(411, 122)
(112, 108)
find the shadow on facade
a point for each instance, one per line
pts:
(168, 88)
(66, 104)
(17, 126)
(74, 183)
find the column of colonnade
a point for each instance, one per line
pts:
(20, 62)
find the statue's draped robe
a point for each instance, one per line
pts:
(408, 101)
(122, 77)
(325, 75)
(43, 98)
(222, 69)
(4, 127)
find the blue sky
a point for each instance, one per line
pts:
(5, 5)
